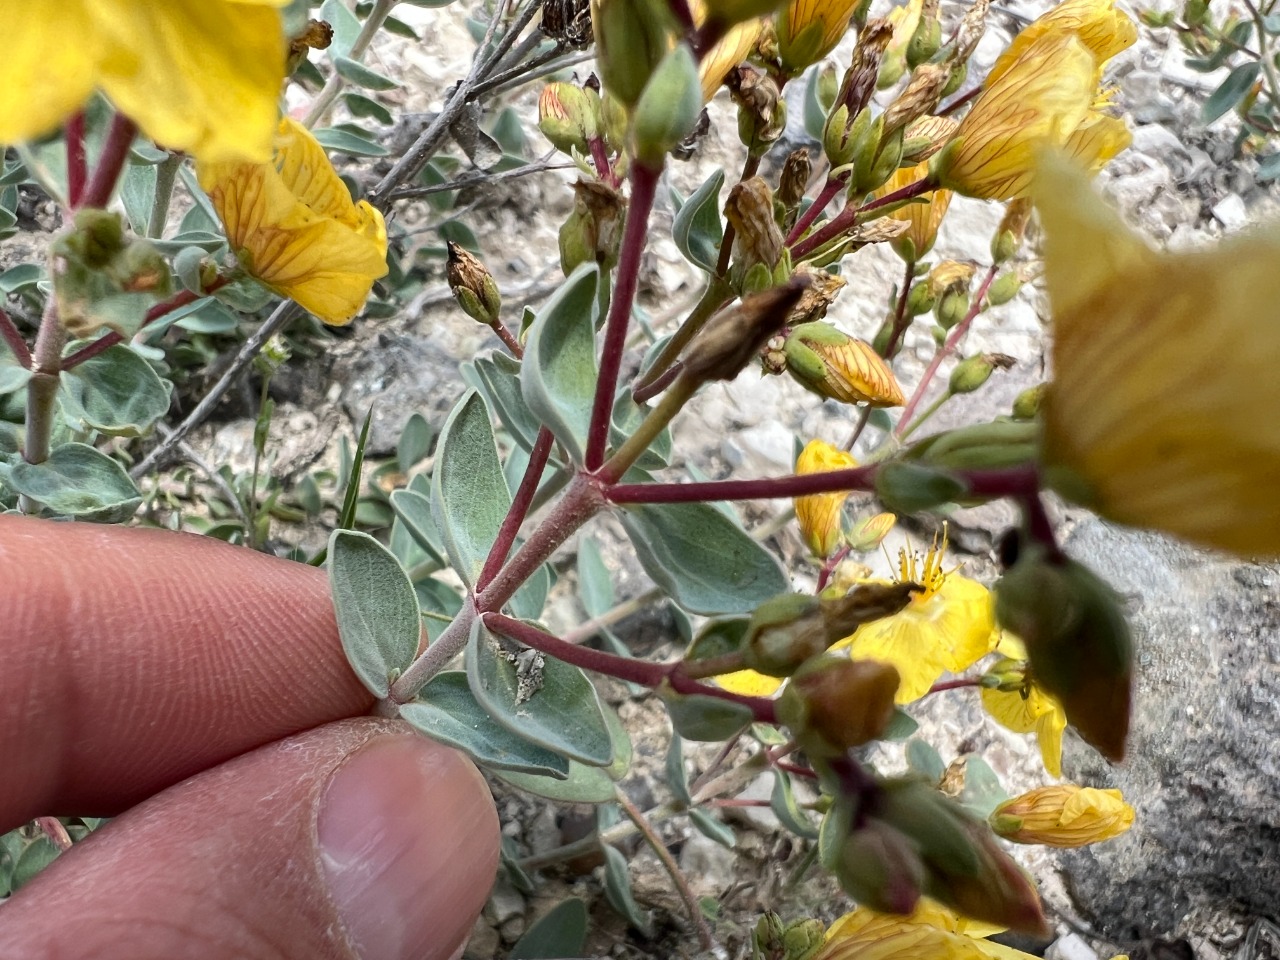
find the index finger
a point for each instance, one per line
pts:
(133, 658)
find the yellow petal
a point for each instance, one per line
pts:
(923, 218)
(748, 683)
(1099, 25)
(196, 75)
(1161, 410)
(48, 68)
(1097, 141)
(732, 49)
(1049, 730)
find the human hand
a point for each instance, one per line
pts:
(199, 691)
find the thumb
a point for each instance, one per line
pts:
(359, 839)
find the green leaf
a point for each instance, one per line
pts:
(703, 718)
(117, 393)
(399, 28)
(24, 275)
(711, 828)
(901, 725)
(439, 598)
(446, 711)
(414, 511)
(559, 378)
(815, 118)
(528, 601)
(346, 27)
(562, 932)
(469, 496)
(357, 73)
(78, 481)
(677, 778)
(35, 857)
(348, 141)
(701, 558)
(362, 106)
(415, 442)
(13, 376)
(923, 759)
(583, 784)
(617, 890)
(498, 378)
(376, 607)
(545, 700)
(783, 803)
(697, 229)
(1231, 91)
(354, 475)
(1269, 167)
(595, 586)
(209, 316)
(138, 194)
(982, 791)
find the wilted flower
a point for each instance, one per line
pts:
(1161, 409)
(819, 514)
(807, 30)
(195, 75)
(293, 226)
(1022, 707)
(922, 219)
(930, 932)
(948, 625)
(1063, 816)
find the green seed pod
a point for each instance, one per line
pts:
(668, 108)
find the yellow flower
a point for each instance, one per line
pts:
(195, 75)
(930, 932)
(949, 625)
(732, 49)
(832, 364)
(748, 683)
(1161, 412)
(1039, 100)
(293, 226)
(808, 30)
(1027, 708)
(1099, 25)
(923, 219)
(819, 514)
(1097, 140)
(1063, 816)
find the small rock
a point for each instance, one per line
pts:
(1071, 947)
(504, 903)
(512, 930)
(711, 868)
(484, 941)
(1231, 212)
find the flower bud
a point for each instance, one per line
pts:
(1026, 405)
(869, 533)
(833, 364)
(97, 237)
(141, 268)
(921, 96)
(859, 81)
(757, 237)
(632, 38)
(972, 372)
(473, 285)
(1078, 642)
(880, 868)
(927, 39)
(1012, 229)
(668, 108)
(924, 137)
(950, 275)
(1004, 288)
(833, 704)
(819, 514)
(802, 938)
(921, 299)
(876, 158)
(1063, 815)
(766, 938)
(955, 78)
(1000, 443)
(794, 179)
(951, 308)
(569, 116)
(818, 296)
(807, 30)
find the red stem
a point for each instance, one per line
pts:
(948, 348)
(1019, 481)
(107, 341)
(508, 339)
(650, 390)
(959, 101)
(114, 153)
(519, 508)
(900, 319)
(644, 183)
(13, 338)
(847, 217)
(794, 770)
(643, 672)
(832, 187)
(955, 684)
(77, 164)
(600, 157)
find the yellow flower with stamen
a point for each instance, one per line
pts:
(819, 514)
(1027, 709)
(293, 226)
(808, 30)
(1039, 101)
(1064, 815)
(201, 76)
(930, 932)
(1161, 412)
(1102, 28)
(947, 626)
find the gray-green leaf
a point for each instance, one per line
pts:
(117, 393)
(697, 229)
(376, 607)
(78, 481)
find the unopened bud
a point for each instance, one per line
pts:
(668, 108)
(1063, 815)
(473, 285)
(924, 137)
(141, 268)
(1078, 642)
(734, 337)
(1026, 405)
(955, 79)
(97, 237)
(1000, 443)
(927, 39)
(593, 232)
(802, 939)
(972, 372)
(820, 514)
(876, 159)
(880, 868)
(632, 38)
(833, 364)
(921, 299)
(869, 534)
(1004, 288)
(919, 98)
(951, 308)
(833, 704)
(1012, 229)
(859, 81)
(569, 116)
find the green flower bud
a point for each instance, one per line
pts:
(921, 299)
(880, 868)
(959, 72)
(668, 108)
(1004, 288)
(97, 237)
(803, 939)
(632, 38)
(1001, 443)
(911, 487)
(951, 308)
(972, 372)
(925, 42)
(833, 704)
(473, 286)
(762, 113)
(1026, 405)
(569, 116)
(877, 158)
(833, 364)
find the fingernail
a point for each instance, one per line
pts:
(408, 839)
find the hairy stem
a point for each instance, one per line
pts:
(830, 190)
(115, 150)
(42, 391)
(847, 218)
(644, 183)
(519, 508)
(77, 162)
(13, 338)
